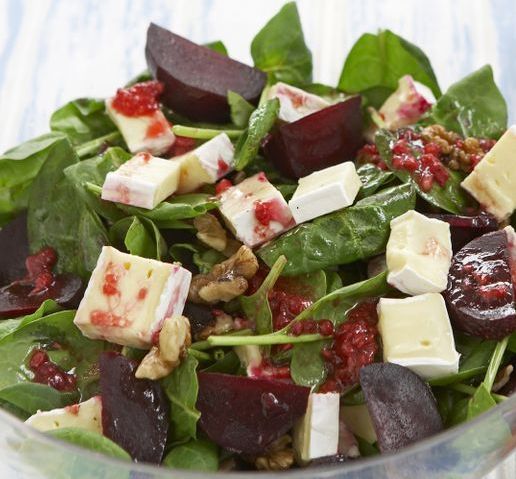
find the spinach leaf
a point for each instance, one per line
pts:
(29, 398)
(358, 232)
(198, 455)
(474, 106)
(59, 218)
(241, 109)
(329, 93)
(90, 440)
(333, 281)
(307, 366)
(256, 306)
(181, 388)
(376, 63)
(279, 48)
(511, 345)
(196, 254)
(18, 168)
(228, 364)
(373, 179)
(217, 46)
(480, 402)
(82, 120)
(260, 123)
(140, 236)
(141, 77)
(451, 197)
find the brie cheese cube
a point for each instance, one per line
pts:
(255, 211)
(317, 433)
(150, 133)
(143, 181)
(294, 102)
(250, 357)
(419, 253)
(129, 297)
(85, 415)
(206, 164)
(325, 191)
(416, 333)
(493, 181)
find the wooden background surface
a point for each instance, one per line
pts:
(54, 50)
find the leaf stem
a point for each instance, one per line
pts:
(470, 390)
(262, 340)
(200, 355)
(494, 363)
(203, 133)
(91, 147)
(203, 345)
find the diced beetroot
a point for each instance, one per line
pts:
(13, 238)
(245, 415)
(135, 412)
(466, 228)
(324, 138)
(196, 78)
(480, 293)
(401, 405)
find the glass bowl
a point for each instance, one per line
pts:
(468, 451)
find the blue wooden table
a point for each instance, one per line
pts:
(54, 50)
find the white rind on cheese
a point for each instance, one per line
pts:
(145, 292)
(493, 181)
(135, 130)
(418, 254)
(85, 415)
(325, 191)
(142, 181)
(416, 333)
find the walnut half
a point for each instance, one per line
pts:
(279, 456)
(161, 360)
(226, 280)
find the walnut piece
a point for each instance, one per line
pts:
(161, 360)
(211, 232)
(223, 324)
(226, 280)
(279, 456)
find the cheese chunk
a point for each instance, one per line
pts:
(317, 433)
(294, 102)
(150, 133)
(325, 191)
(418, 254)
(250, 357)
(143, 181)
(85, 415)
(206, 164)
(493, 181)
(416, 333)
(255, 211)
(129, 297)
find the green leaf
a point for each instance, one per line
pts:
(78, 237)
(376, 63)
(32, 397)
(228, 364)
(260, 123)
(355, 233)
(181, 388)
(82, 120)
(480, 402)
(256, 306)
(373, 179)
(199, 455)
(240, 108)
(217, 46)
(307, 366)
(18, 168)
(279, 48)
(90, 440)
(474, 106)
(451, 197)
(511, 345)
(333, 281)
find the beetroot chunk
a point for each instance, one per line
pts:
(196, 78)
(245, 415)
(480, 292)
(135, 412)
(401, 405)
(324, 138)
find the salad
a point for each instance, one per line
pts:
(226, 266)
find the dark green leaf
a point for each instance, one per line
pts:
(199, 455)
(229, 364)
(307, 366)
(82, 120)
(287, 191)
(279, 48)
(241, 109)
(181, 388)
(474, 106)
(511, 346)
(480, 402)
(260, 123)
(217, 46)
(373, 179)
(366, 449)
(376, 63)
(90, 440)
(333, 281)
(141, 77)
(452, 197)
(355, 233)
(78, 237)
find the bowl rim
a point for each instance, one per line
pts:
(507, 406)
